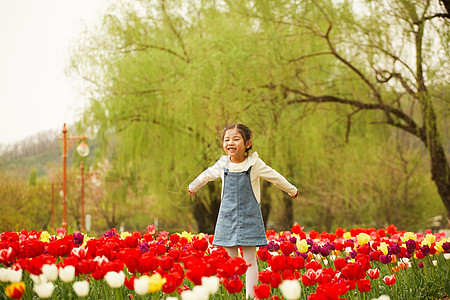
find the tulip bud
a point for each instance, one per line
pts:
(81, 288)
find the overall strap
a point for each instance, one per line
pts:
(248, 170)
(225, 171)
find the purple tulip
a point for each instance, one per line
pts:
(78, 238)
(293, 240)
(310, 242)
(324, 251)
(353, 254)
(386, 259)
(304, 255)
(446, 247)
(315, 249)
(420, 264)
(410, 246)
(110, 233)
(143, 247)
(425, 250)
(394, 248)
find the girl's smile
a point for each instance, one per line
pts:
(234, 145)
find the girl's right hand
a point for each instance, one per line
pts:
(191, 193)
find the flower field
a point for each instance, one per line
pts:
(360, 263)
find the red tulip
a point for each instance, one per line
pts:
(275, 279)
(287, 248)
(363, 285)
(166, 262)
(129, 283)
(262, 291)
(390, 280)
(200, 245)
(131, 241)
(15, 290)
(233, 285)
(263, 254)
(353, 271)
(373, 273)
(265, 276)
(340, 263)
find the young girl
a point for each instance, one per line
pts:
(240, 223)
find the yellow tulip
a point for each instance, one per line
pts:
(125, 234)
(302, 246)
(155, 283)
(15, 290)
(363, 238)
(347, 235)
(45, 236)
(409, 236)
(384, 248)
(186, 235)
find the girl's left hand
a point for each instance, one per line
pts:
(295, 196)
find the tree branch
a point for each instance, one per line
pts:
(143, 47)
(409, 126)
(310, 55)
(177, 34)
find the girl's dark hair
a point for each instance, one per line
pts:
(243, 130)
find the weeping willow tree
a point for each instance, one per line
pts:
(393, 55)
(165, 78)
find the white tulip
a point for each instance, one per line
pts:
(81, 288)
(434, 263)
(290, 289)
(211, 284)
(38, 279)
(50, 271)
(200, 292)
(67, 274)
(3, 275)
(44, 290)
(382, 297)
(141, 285)
(447, 255)
(171, 298)
(114, 279)
(188, 295)
(14, 276)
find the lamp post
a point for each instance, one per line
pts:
(83, 151)
(52, 218)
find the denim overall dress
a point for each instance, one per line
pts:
(240, 220)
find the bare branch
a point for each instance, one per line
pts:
(310, 55)
(177, 34)
(409, 126)
(349, 123)
(143, 47)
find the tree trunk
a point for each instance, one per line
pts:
(288, 212)
(266, 201)
(205, 213)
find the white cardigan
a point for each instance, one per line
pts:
(259, 169)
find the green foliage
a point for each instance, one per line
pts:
(166, 78)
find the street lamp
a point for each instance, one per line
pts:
(83, 151)
(52, 219)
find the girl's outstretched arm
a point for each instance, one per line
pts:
(210, 174)
(269, 174)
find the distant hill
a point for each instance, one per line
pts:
(37, 152)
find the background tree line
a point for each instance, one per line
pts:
(349, 100)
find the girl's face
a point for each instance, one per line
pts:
(234, 145)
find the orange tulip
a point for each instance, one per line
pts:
(15, 290)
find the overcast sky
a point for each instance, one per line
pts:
(35, 93)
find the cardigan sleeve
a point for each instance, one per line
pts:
(210, 174)
(269, 174)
